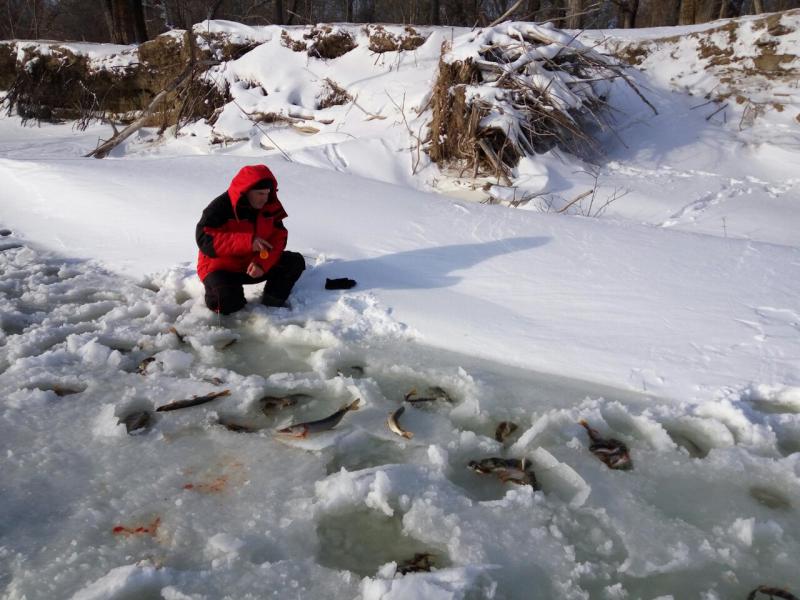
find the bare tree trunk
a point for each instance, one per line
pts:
(532, 9)
(758, 7)
(626, 13)
(506, 14)
(212, 10)
(11, 22)
(633, 11)
(122, 21)
(556, 13)
(435, 9)
(712, 9)
(293, 13)
(348, 15)
(35, 19)
(688, 12)
(277, 17)
(574, 16)
(139, 26)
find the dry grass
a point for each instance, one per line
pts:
(332, 94)
(218, 46)
(523, 118)
(381, 40)
(454, 123)
(60, 85)
(289, 42)
(716, 47)
(328, 43)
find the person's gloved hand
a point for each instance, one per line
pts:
(342, 283)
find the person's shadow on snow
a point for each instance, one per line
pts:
(422, 268)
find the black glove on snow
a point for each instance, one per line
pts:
(343, 283)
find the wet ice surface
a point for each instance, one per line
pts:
(188, 508)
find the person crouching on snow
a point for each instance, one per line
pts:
(242, 241)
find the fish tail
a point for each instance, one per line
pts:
(354, 405)
(592, 433)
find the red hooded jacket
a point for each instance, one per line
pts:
(226, 230)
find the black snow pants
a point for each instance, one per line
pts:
(225, 294)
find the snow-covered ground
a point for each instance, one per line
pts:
(670, 321)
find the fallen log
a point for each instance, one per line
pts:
(106, 147)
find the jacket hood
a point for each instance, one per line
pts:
(246, 178)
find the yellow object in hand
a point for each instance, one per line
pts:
(263, 254)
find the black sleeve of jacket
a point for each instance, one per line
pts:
(216, 214)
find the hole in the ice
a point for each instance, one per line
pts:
(273, 410)
(373, 453)
(137, 422)
(770, 498)
(421, 394)
(486, 428)
(694, 449)
(362, 541)
(252, 421)
(239, 424)
(278, 405)
(770, 592)
(9, 246)
(775, 407)
(123, 346)
(507, 432)
(477, 486)
(149, 285)
(5, 232)
(354, 371)
(140, 590)
(14, 324)
(788, 446)
(429, 395)
(136, 361)
(257, 356)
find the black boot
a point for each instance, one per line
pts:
(281, 278)
(224, 292)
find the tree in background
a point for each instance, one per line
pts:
(133, 21)
(126, 18)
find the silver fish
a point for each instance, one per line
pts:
(508, 470)
(434, 393)
(302, 430)
(142, 368)
(394, 425)
(612, 452)
(194, 401)
(771, 592)
(421, 563)
(235, 427)
(273, 403)
(135, 422)
(504, 430)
